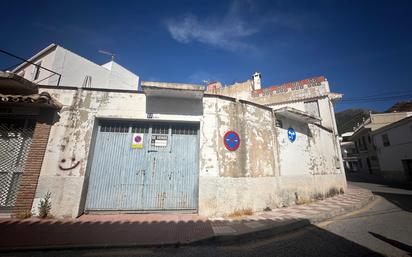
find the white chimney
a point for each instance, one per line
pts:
(256, 81)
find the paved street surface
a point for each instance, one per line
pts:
(169, 229)
(383, 228)
(386, 227)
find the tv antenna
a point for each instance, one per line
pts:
(107, 53)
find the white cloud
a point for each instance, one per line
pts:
(234, 31)
(227, 33)
(202, 77)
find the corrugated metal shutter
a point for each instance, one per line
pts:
(161, 176)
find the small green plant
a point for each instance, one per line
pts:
(303, 201)
(332, 192)
(45, 206)
(299, 200)
(318, 196)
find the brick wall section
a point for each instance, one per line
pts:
(31, 173)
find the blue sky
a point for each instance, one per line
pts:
(362, 47)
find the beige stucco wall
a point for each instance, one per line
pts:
(264, 172)
(239, 90)
(267, 170)
(220, 196)
(257, 152)
(71, 138)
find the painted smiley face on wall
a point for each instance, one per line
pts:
(63, 165)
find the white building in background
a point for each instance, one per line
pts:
(349, 152)
(75, 71)
(394, 149)
(366, 150)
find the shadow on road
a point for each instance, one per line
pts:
(401, 200)
(397, 244)
(367, 178)
(393, 192)
(35, 232)
(310, 241)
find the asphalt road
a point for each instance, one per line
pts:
(383, 228)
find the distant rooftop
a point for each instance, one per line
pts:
(309, 81)
(404, 106)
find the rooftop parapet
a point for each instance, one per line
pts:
(177, 90)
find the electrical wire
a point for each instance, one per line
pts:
(386, 94)
(377, 99)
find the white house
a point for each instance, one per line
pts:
(55, 65)
(169, 147)
(349, 153)
(366, 151)
(394, 149)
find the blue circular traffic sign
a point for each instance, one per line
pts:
(231, 140)
(291, 134)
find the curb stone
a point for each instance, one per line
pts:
(295, 224)
(269, 230)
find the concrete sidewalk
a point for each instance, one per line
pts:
(169, 229)
(282, 220)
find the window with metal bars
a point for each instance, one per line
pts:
(140, 128)
(160, 129)
(184, 129)
(15, 139)
(114, 127)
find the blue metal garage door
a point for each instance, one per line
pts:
(144, 167)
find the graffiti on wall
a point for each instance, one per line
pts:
(68, 164)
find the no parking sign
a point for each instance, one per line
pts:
(231, 140)
(137, 141)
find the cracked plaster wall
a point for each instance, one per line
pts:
(246, 178)
(267, 170)
(71, 137)
(70, 140)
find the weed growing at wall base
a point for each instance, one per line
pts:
(332, 192)
(45, 206)
(240, 213)
(24, 215)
